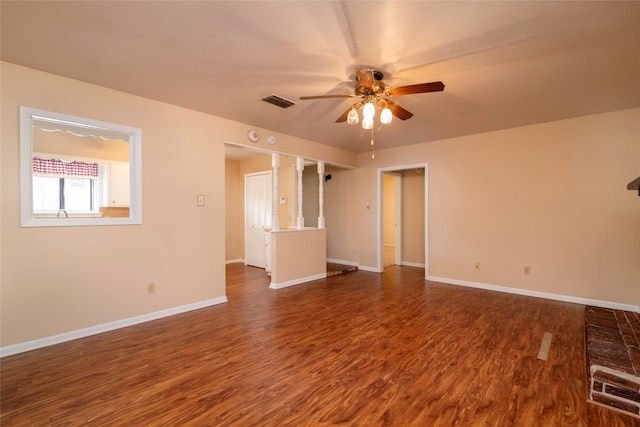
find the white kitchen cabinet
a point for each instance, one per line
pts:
(119, 186)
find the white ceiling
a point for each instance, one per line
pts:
(504, 64)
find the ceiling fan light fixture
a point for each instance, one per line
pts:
(367, 122)
(352, 117)
(369, 111)
(386, 116)
(371, 91)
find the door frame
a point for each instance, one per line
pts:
(379, 240)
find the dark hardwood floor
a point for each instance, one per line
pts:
(360, 349)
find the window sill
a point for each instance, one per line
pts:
(63, 216)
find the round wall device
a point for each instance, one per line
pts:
(253, 135)
(271, 140)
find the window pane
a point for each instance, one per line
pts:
(46, 193)
(77, 194)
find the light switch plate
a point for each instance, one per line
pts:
(200, 200)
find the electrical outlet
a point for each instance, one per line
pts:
(527, 269)
(476, 266)
(151, 288)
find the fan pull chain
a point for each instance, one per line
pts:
(373, 155)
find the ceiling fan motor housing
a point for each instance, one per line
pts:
(377, 89)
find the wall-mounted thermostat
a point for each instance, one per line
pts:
(253, 135)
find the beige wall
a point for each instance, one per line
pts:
(413, 216)
(388, 210)
(310, 198)
(234, 211)
(298, 255)
(59, 279)
(62, 279)
(350, 210)
(288, 176)
(551, 196)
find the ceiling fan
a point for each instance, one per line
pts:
(373, 93)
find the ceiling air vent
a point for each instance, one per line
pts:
(279, 101)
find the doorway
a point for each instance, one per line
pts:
(413, 233)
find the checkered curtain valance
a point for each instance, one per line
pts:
(61, 169)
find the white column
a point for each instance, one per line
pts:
(320, 195)
(275, 199)
(300, 169)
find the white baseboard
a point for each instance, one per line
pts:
(105, 327)
(355, 264)
(342, 261)
(233, 261)
(413, 264)
(546, 295)
(297, 281)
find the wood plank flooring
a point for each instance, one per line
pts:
(361, 349)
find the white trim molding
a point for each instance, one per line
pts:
(413, 264)
(106, 327)
(371, 269)
(379, 252)
(297, 281)
(233, 261)
(355, 264)
(343, 262)
(537, 294)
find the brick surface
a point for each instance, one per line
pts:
(613, 357)
(617, 380)
(625, 328)
(607, 335)
(621, 392)
(628, 407)
(634, 352)
(634, 321)
(605, 322)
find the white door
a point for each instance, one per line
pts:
(119, 184)
(257, 208)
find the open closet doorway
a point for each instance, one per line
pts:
(411, 211)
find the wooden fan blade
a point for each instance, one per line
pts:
(365, 77)
(325, 97)
(343, 117)
(398, 111)
(419, 88)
